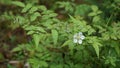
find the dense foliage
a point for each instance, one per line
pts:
(65, 33)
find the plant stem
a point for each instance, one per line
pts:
(109, 19)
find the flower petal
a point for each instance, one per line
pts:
(80, 41)
(82, 37)
(80, 33)
(75, 40)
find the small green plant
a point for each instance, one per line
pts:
(87, 38)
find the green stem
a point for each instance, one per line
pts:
(109, 19)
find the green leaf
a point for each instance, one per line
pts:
(36, 39)
(66, 43)
(73, 19)
(54, 36)
(94, 8)
(30, 32)
(71, 47)
(96, 18)
(34, 16)
(16, 49)
(40, 29)
(35, 28)
(52, 14)
(18, 3)
(90, 31)
(47, 12)
(96, 47)
(84, 29)
(105, 36)
(56, 66)
(82, 9)
(33, 9)
(26, 8)
(117, 49)
(92, 14)
(41, 7)
(43, 64)
(99, 12)
(113, 37)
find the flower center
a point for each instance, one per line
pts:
(78, 37)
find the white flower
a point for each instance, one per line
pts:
(77, 38)
(82, 37)
(80, 41)
(80, 33)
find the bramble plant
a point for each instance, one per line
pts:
(86, 38)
